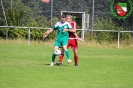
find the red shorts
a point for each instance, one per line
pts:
(73, 43)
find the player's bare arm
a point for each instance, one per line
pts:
(70, 30)
(47, 32)
(78, 38)
(74, 32)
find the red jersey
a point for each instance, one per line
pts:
(71, 35)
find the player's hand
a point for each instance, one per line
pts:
(79, 39)
(65, 30)
(45, 35)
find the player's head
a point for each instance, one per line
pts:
(69, 18)
(63, 18)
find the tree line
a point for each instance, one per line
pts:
(34, 13)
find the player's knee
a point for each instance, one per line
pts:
(62, 55)
(56, 48)
(65, 48)
(75, 52)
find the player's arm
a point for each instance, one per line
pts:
(50, 30)
(47, 32)
(74, 26)
(70, 30)
(78, 38)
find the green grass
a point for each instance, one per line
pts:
(23, 66)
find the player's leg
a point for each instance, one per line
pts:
(74, 46)
(67, 54)
(75, 57)
(64, 43)
(60, 57)
(53, 56)
(62, 54)
(57, 45)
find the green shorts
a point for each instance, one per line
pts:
(61, 43)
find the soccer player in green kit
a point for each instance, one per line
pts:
(62, 37)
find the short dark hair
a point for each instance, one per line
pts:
(63, 16)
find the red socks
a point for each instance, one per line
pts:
(76, 60)
(61, 57)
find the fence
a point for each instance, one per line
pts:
(29, 28)
(29, 11)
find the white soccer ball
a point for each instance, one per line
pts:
(57, 52)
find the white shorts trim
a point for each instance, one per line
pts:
(72, 38)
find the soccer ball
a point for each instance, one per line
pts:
(57, 52)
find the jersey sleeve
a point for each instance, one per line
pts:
(74, 25)
(55, 26)
(69, 26)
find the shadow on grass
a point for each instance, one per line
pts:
(46, 64)
(55, 65)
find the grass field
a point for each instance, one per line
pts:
(23, 66)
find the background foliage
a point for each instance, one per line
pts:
(34, 13)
